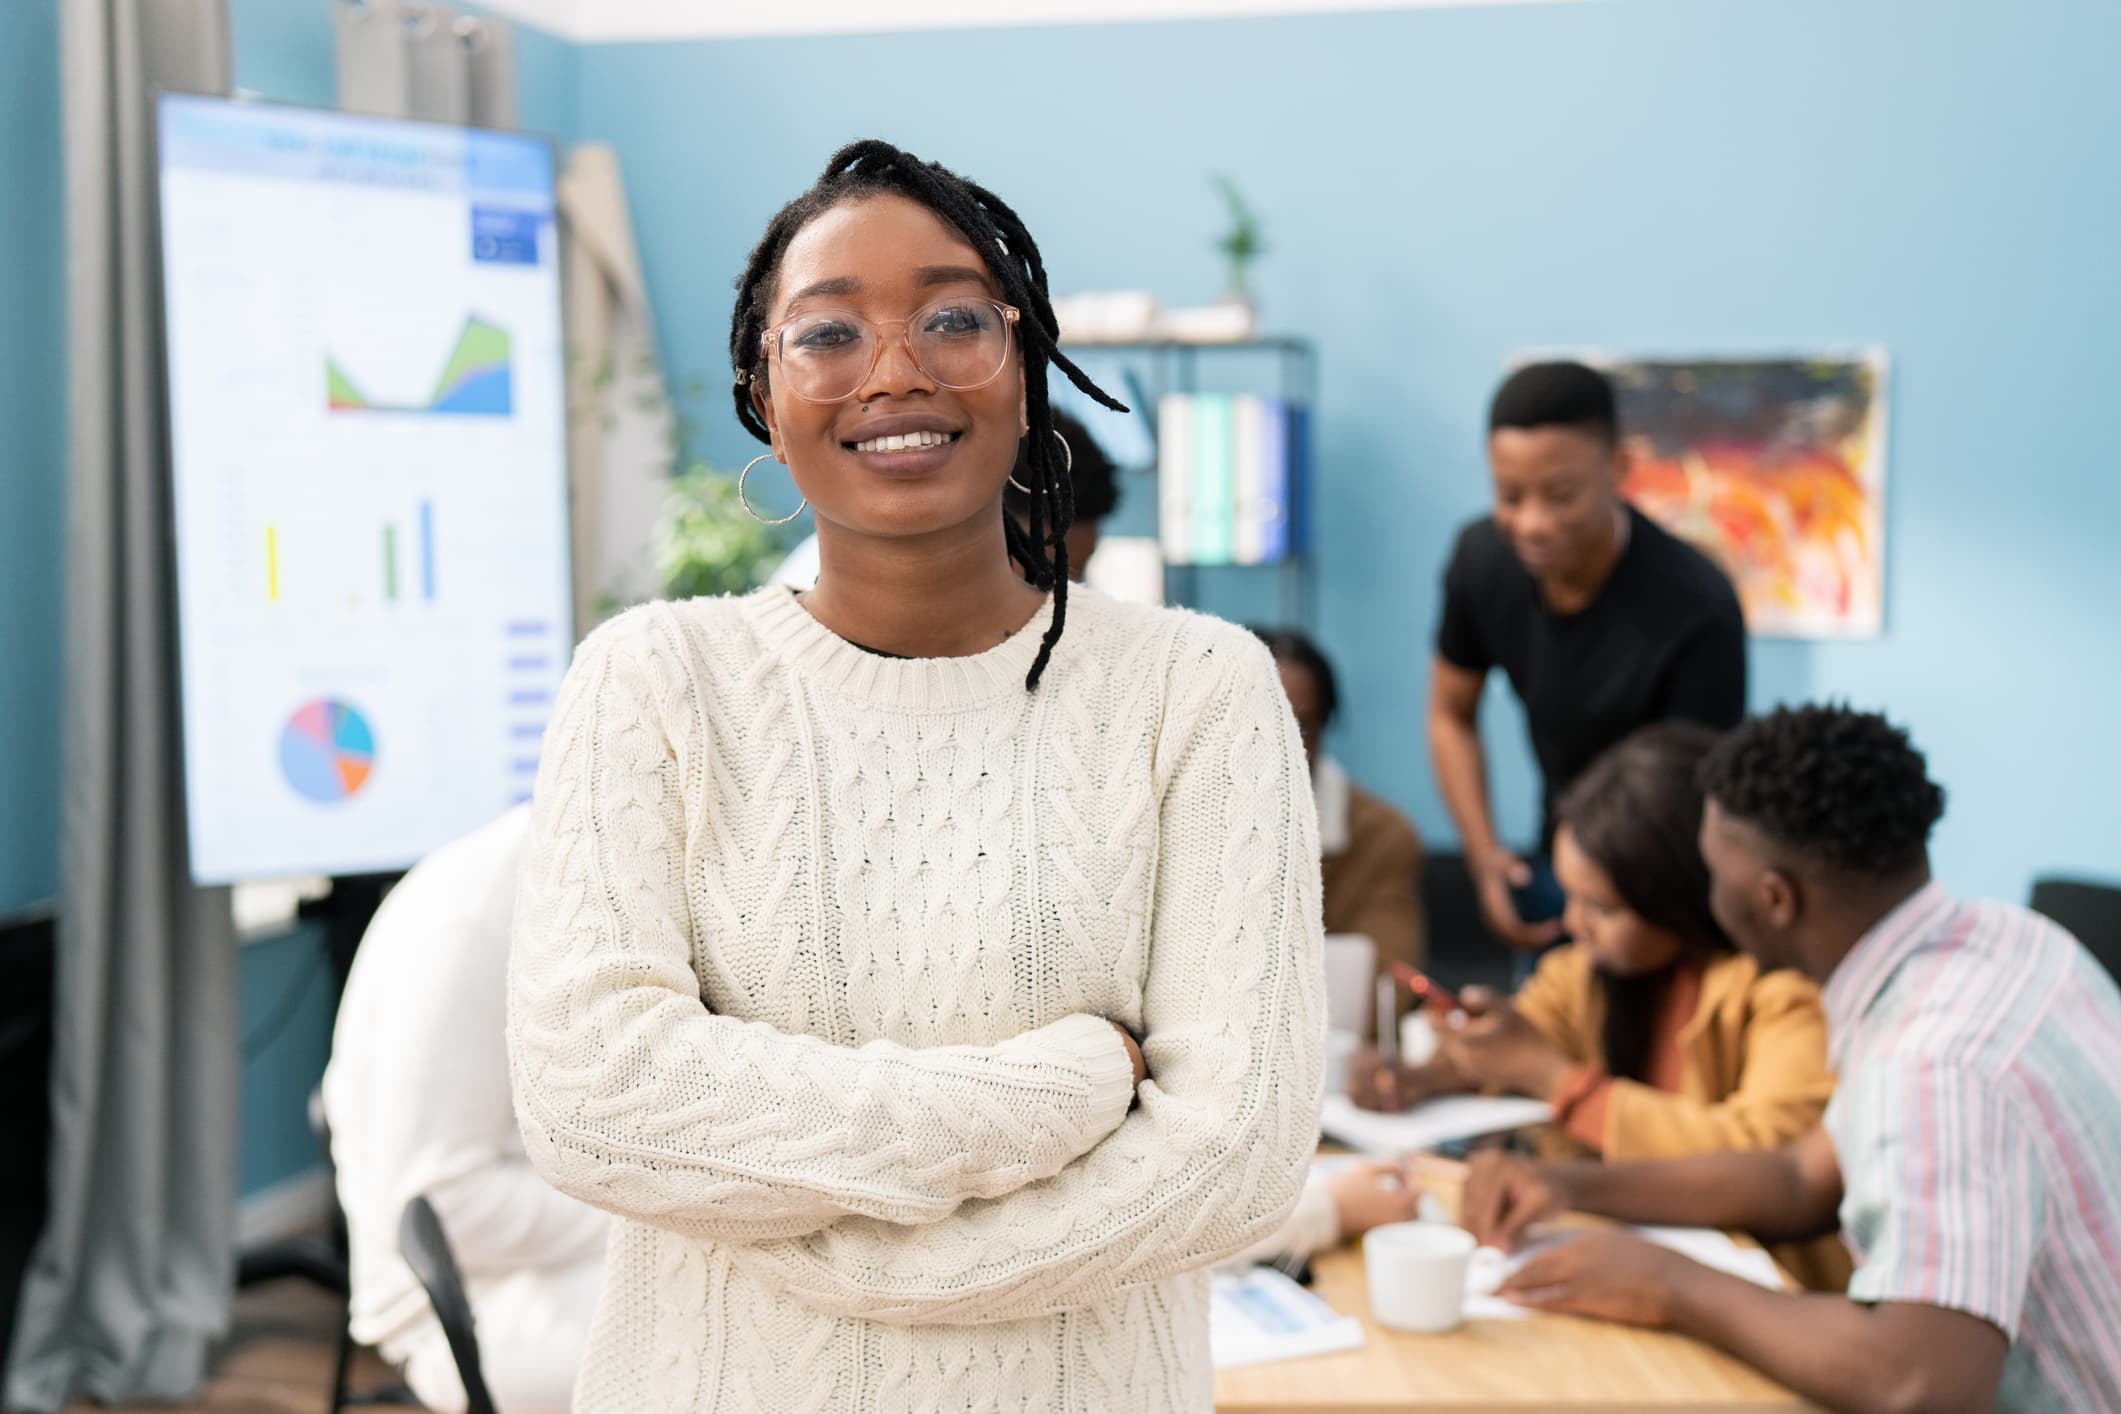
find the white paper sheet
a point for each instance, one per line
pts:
(1716, 1249)
(1428, 1207)
(1426, 1125)
(1351, 967)
(1491, 1268)
(1258, 1315)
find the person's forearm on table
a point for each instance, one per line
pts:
(1762, 1192)
(1846, 1356)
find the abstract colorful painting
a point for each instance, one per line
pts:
(1775, 467)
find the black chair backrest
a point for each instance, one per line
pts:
(1462, 952)
(2091, 911)
(426, 1251)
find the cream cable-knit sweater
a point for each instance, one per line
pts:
(811, 952)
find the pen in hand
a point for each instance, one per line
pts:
(1387, 1022)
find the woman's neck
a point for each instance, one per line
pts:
(945, 595)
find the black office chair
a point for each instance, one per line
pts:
(395, 1394)
(1462, 952)
(2091, 911)
(426, 1251)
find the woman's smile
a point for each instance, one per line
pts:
(903, 444)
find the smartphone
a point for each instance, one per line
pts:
(1433, 994)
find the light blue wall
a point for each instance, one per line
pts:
(1444, 186)
(33, 464)
(284, 985)
(283, 50)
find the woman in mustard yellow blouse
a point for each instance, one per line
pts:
(1650, 1034)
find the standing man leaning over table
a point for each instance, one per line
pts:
(1973, 1148)
(1602, 620)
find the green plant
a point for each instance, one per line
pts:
(704, 542)
(1244, 241)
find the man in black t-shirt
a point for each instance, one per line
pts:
(1602, 620)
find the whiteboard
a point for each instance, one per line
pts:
(368, 479)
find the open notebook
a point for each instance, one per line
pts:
(1429, 1124)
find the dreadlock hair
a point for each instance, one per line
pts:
(1842, 788)
(871, 168)
(1636, 814)
(1091, 476)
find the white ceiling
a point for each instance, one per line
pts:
(602, 20)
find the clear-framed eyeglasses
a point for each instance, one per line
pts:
(825, 356)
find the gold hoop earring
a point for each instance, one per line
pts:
(746, 504)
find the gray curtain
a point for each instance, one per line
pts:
(132, 1277)
(415, 59)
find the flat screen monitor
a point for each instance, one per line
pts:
(367, 444)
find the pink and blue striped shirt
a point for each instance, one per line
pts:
(1978, 1127)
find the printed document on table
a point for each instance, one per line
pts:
(1258, 1315)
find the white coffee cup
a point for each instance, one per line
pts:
(1417, 1038)
(1417, 1274)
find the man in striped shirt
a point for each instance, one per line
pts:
(1974, 1147)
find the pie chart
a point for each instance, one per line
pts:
(327, 751)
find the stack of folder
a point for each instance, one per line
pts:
(1230, 479)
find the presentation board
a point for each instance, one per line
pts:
(368, 459)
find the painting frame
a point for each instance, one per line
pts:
(1775, 466)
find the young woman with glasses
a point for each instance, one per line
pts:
(933, 994)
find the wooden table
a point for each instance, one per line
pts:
(1495, 1367)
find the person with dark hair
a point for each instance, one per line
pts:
(1649, 1033)
(924, 969)
(1371, 864)
(1972, 1149)
(1601, 619)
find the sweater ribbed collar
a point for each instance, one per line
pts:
(913, 684)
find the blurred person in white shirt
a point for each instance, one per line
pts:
(417, 1097)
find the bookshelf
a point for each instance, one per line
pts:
(1283, 367)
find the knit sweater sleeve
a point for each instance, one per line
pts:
(634, 1097)
(1234, 1020)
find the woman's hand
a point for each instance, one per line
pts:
(1607, 1273)
(1391, 1089)
(1375, 1085)
(1371, 1194)
(1497, 1047)
(1505, 1194)
(1134, 1052)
